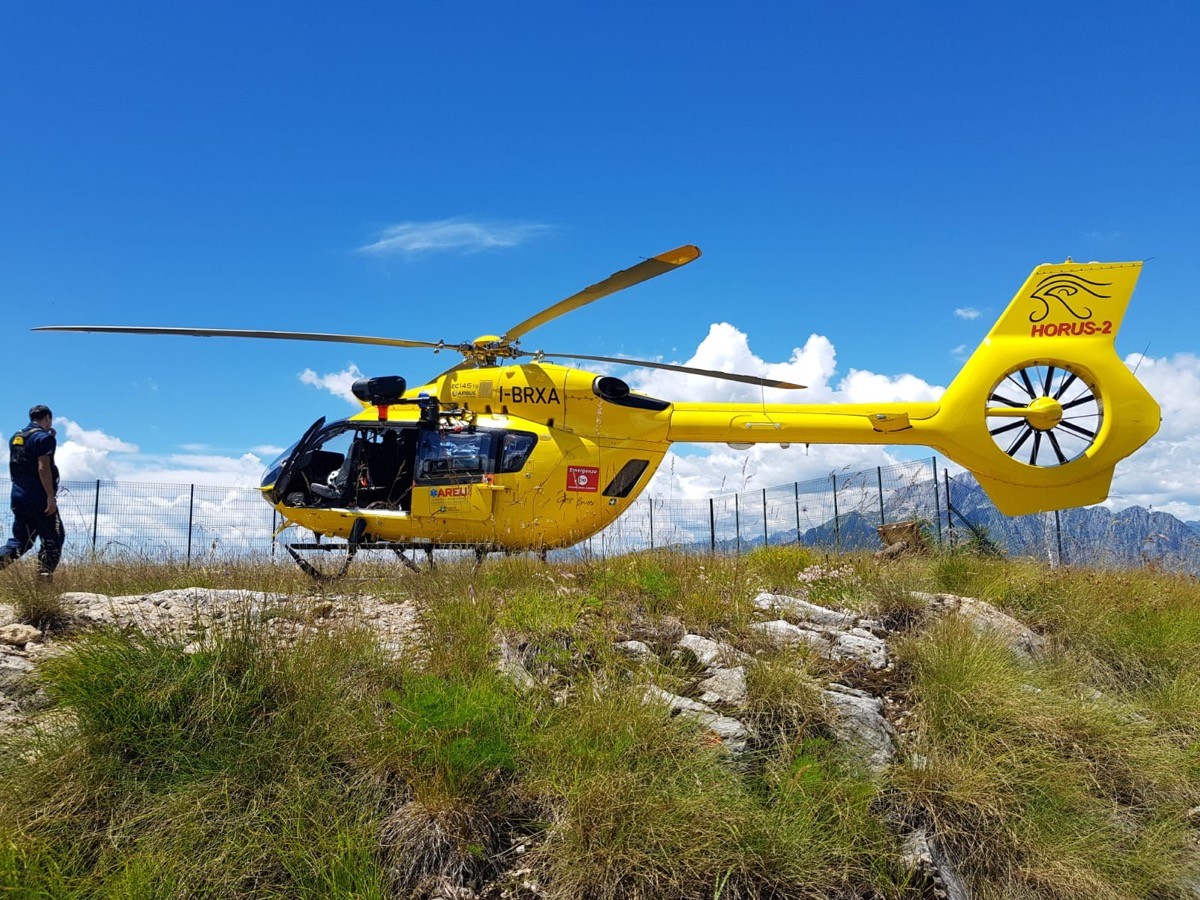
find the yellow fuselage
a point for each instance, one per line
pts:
(576, 481)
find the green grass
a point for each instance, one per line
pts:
(783, 697)
(645, 806)
(315, 767)
(225, 771)
(1044, 786)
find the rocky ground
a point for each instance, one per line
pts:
(864, 714)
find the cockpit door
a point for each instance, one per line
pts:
(298, 460)
(455, 475)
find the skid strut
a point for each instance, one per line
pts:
(354, 543)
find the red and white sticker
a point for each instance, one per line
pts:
(583, 478)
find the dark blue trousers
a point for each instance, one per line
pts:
(30, 525)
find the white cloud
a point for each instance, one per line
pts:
(719, 469)
(267, 450)
(727, 349)
(91, 454)
(416, 238)
(701, 471)
(96, 439)
(1165, 474)
(337, 383)
(967, 312)
(183, 468)
(83, 454)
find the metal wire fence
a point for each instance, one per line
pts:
(160, 521)
(840, 511)
(113, 519)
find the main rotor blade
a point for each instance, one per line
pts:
(710, 373)
(618, 281)
(233, 332)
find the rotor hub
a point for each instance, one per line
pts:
(1044, 413)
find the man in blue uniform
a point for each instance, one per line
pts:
(34, 493)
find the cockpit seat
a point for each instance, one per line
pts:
(335, 488)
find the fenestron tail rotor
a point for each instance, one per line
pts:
(1044, 415)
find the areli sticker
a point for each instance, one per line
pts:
(583, 478)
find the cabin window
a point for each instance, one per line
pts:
(515, 450)
(454, 457)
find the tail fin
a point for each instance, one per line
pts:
(1044, 409)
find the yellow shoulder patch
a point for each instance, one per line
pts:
(18, 440)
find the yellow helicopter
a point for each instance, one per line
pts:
(506, 451)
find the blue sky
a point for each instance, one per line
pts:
(853, 171)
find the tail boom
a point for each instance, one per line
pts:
(1041, 413)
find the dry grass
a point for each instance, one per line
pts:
(319, 768)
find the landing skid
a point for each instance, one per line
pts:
(400, 548)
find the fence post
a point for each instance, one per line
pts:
(949, 518)
(879, 475)
(766, 539)
(712, 527)
(737, 524)
(937, 500)
(96, 517)
(1058, 532)
(837, 528)
(191, 510)
(651, 501)
(797, 486)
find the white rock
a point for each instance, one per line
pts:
(18, 635)
(986, 619)
(733, 734)
(922, 851)
(82, 598)
(13, 666)
(510, 666)
(830, 643)
(637, 648)
(783, 632)
(726, 685)
(852, 692)
(803, 609)
(859, 723)
(870, 650)
(710, 653)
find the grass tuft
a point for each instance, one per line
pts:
(241, 749)
(642, 805)
(1044, 787)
